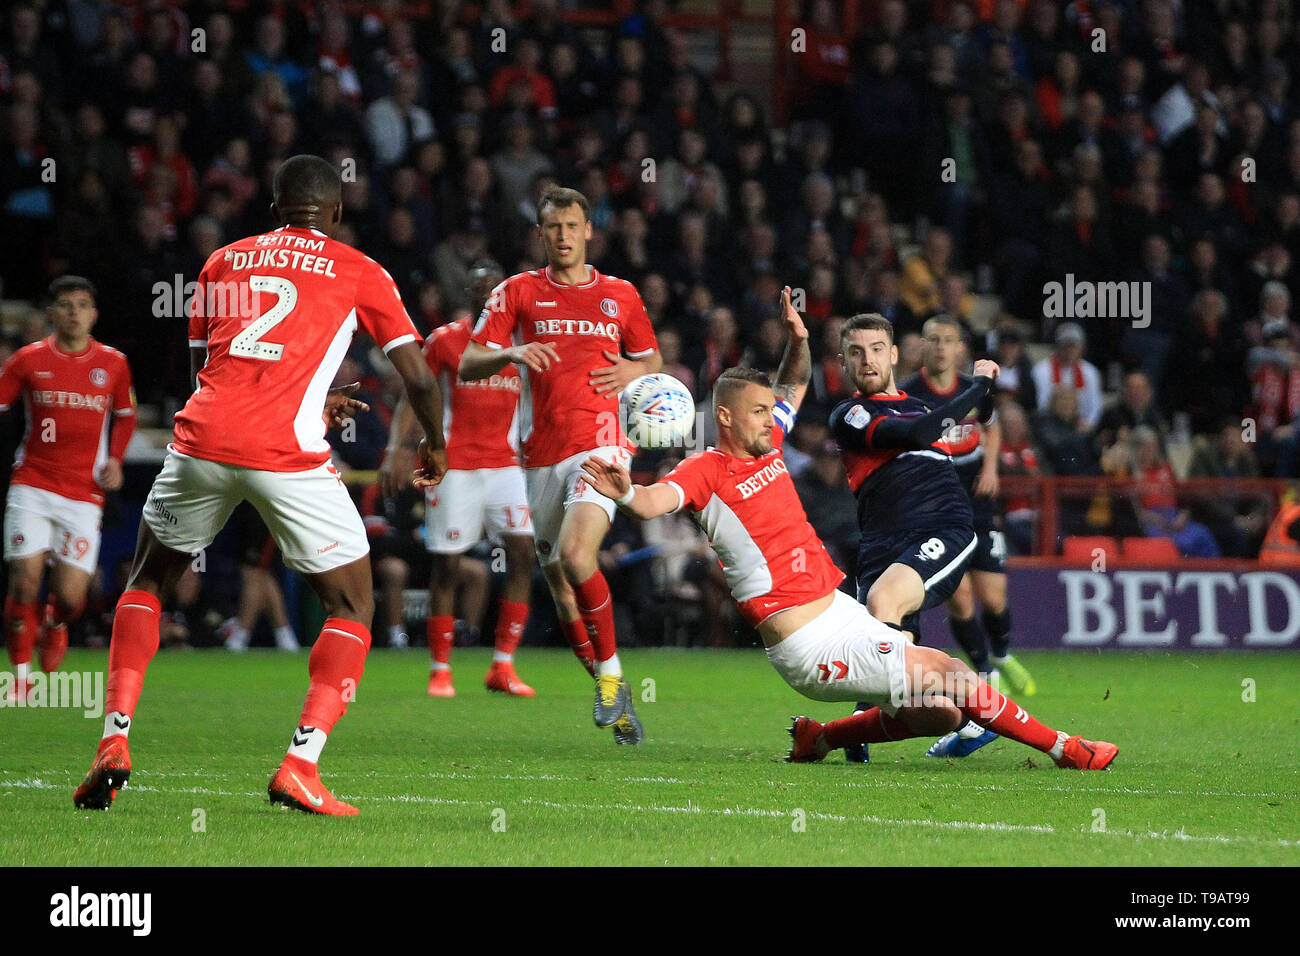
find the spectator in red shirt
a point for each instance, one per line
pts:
(1158, 500)
(526, 70)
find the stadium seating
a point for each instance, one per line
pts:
(1148, 551)
(1081, 549)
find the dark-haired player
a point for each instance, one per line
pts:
(483, 492)
(269, 326)
(973, 442)
(578, 338)
(822, 642)
(917, 526)
(80, 416)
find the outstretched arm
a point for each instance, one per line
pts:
(855, 427)
(642, 501)
(796, 364)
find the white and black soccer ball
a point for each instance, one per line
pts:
(658, 411)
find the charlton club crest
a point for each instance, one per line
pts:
(98, 377)
(609, 307)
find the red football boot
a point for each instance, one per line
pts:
(1083, 754)
(108, 774)
(440, 684)
(809, 744)
(297, 784)
(501, 677)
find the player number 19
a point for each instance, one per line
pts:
(248, 343)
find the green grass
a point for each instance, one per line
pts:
(1202, 778)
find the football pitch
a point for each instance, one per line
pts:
(1203, 778)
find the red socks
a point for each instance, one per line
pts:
(511, 618)
(132, 647)
(441, 629)
(575, 632)
(337, 660)
(872, 726)
(22, 625)
(597, 610)
(1004, 716)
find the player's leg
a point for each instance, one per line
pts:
(22, 614)
(952, 691)
(68, 586)
(277, 613)
(155, 572)
(441, 623)
(585, 525)
(965, 629)
(509, 525)
(546, 494)
(191, 499)
(313, 520)
(393, 573)
(991, 589)
(30, 535)
(512, 615)
(895, 594)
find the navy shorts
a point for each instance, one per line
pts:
(990, 546)
(939, 557)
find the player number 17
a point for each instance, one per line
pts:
(248, 343)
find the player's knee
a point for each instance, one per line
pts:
(577, 564)
(933, 718)
(23, 588)
(392, 572)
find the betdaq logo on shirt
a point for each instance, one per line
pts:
(608, 330)
(761, 478)
(69, 399)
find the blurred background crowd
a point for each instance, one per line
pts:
(905, 158)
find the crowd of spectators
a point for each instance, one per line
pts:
(949, 156)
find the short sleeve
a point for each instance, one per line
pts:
(692, 479)
(12, 378)
(638, 335)
(436, 351)
(496, 323)
(380, 312)
(198, 318)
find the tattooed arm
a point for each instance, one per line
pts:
(796, 364)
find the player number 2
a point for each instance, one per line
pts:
(248, 343)
(932, 549)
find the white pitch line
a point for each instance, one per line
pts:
(911, 784)
(979, 825)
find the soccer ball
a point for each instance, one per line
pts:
(658, 410)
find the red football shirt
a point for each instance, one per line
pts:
(277, 313)
(478, 418)
(772, 557)
(560, 414)
(69, 398)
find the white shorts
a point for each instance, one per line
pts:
(309, 513)
(37, 521)
(465, 504)
(553, 489)
(844, 654)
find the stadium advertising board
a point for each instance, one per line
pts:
(1143, 608)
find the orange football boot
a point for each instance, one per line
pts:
(501, 677)
(809, 744)
(108, 774)
(1083, 754)
(440, 684)
(297, 784)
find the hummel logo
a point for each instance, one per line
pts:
(545, 305)
(41, 373)
(121, 722)
(302, 735)
(314, 800)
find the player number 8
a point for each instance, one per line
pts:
(932, 549)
